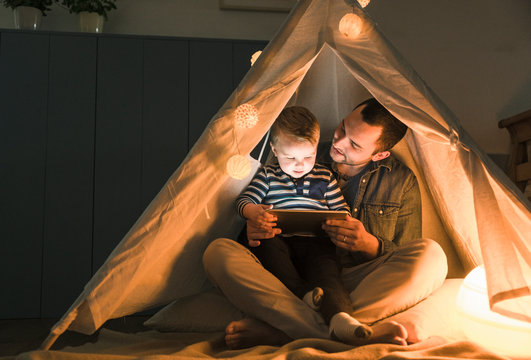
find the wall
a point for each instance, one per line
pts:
(474, 54)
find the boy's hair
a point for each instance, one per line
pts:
(298, 122)
(393, 130)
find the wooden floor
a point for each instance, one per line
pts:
(21, 335)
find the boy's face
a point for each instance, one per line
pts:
(296, 158)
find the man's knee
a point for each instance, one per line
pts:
(431, 258)
(223, 257)
(214, 256)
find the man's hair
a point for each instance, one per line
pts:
(393, 130)
(297, 122)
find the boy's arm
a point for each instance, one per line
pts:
(255, 192)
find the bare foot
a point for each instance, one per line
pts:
(389, 332)
(250, 332)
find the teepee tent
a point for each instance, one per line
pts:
(311, 63)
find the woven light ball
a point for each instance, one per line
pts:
(351, 25)
(246, 116)
(255, 57)
(364, 3)
(238, 167)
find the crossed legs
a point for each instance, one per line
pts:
(279, 315)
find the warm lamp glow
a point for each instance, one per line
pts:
(245, 116)
(495, 332)
(351, 25)
(255, 57)
(364, 3)
(238, 167)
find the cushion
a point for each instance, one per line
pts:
(204, 312)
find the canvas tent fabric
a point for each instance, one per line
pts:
(309, 62)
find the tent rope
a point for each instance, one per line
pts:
(264, 146)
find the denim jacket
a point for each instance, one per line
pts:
(387, 202)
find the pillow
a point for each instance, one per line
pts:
(203, 312)
(435, 316)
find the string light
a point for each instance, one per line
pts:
(255, 57)
(246, 116)
(238, 167)
(351, 25)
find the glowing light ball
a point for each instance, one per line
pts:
(238, 167)
(351, 25)
(364, 3)
(246, 116)
(255, 57)
(498, 333)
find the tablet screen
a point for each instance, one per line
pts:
(304, 222)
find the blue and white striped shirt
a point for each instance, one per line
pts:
(317, 190)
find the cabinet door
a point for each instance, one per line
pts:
(165, 113)
(210, 82)
(118, 169)
(23, 89)
(67, 258)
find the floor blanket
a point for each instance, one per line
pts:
(153, 345)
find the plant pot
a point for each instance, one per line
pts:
(90, 22)
(27, 17)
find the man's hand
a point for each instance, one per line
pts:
(350, 234)
(255, 234)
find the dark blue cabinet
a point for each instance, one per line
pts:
(91, 127)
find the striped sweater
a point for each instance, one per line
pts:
(317, 190)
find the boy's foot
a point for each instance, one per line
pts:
(250, 332)
(346, 328)
(314, 298)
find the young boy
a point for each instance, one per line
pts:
(308, 266)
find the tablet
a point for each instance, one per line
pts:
(305, 222)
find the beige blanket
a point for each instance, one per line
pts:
(154, 345)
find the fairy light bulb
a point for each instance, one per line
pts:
(238, 167)
(351, 25)
(246, 116)
(255, 57)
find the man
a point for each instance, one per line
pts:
(386, 266)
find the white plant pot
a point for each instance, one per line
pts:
(90, 22)
(27, 17)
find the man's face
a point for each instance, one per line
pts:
(296, 158)
(355, 141)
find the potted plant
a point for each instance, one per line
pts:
(28, 13)
(92, 13)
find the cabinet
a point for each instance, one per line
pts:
(91, 128)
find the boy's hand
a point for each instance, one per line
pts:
(260, 223)
(259, 217)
